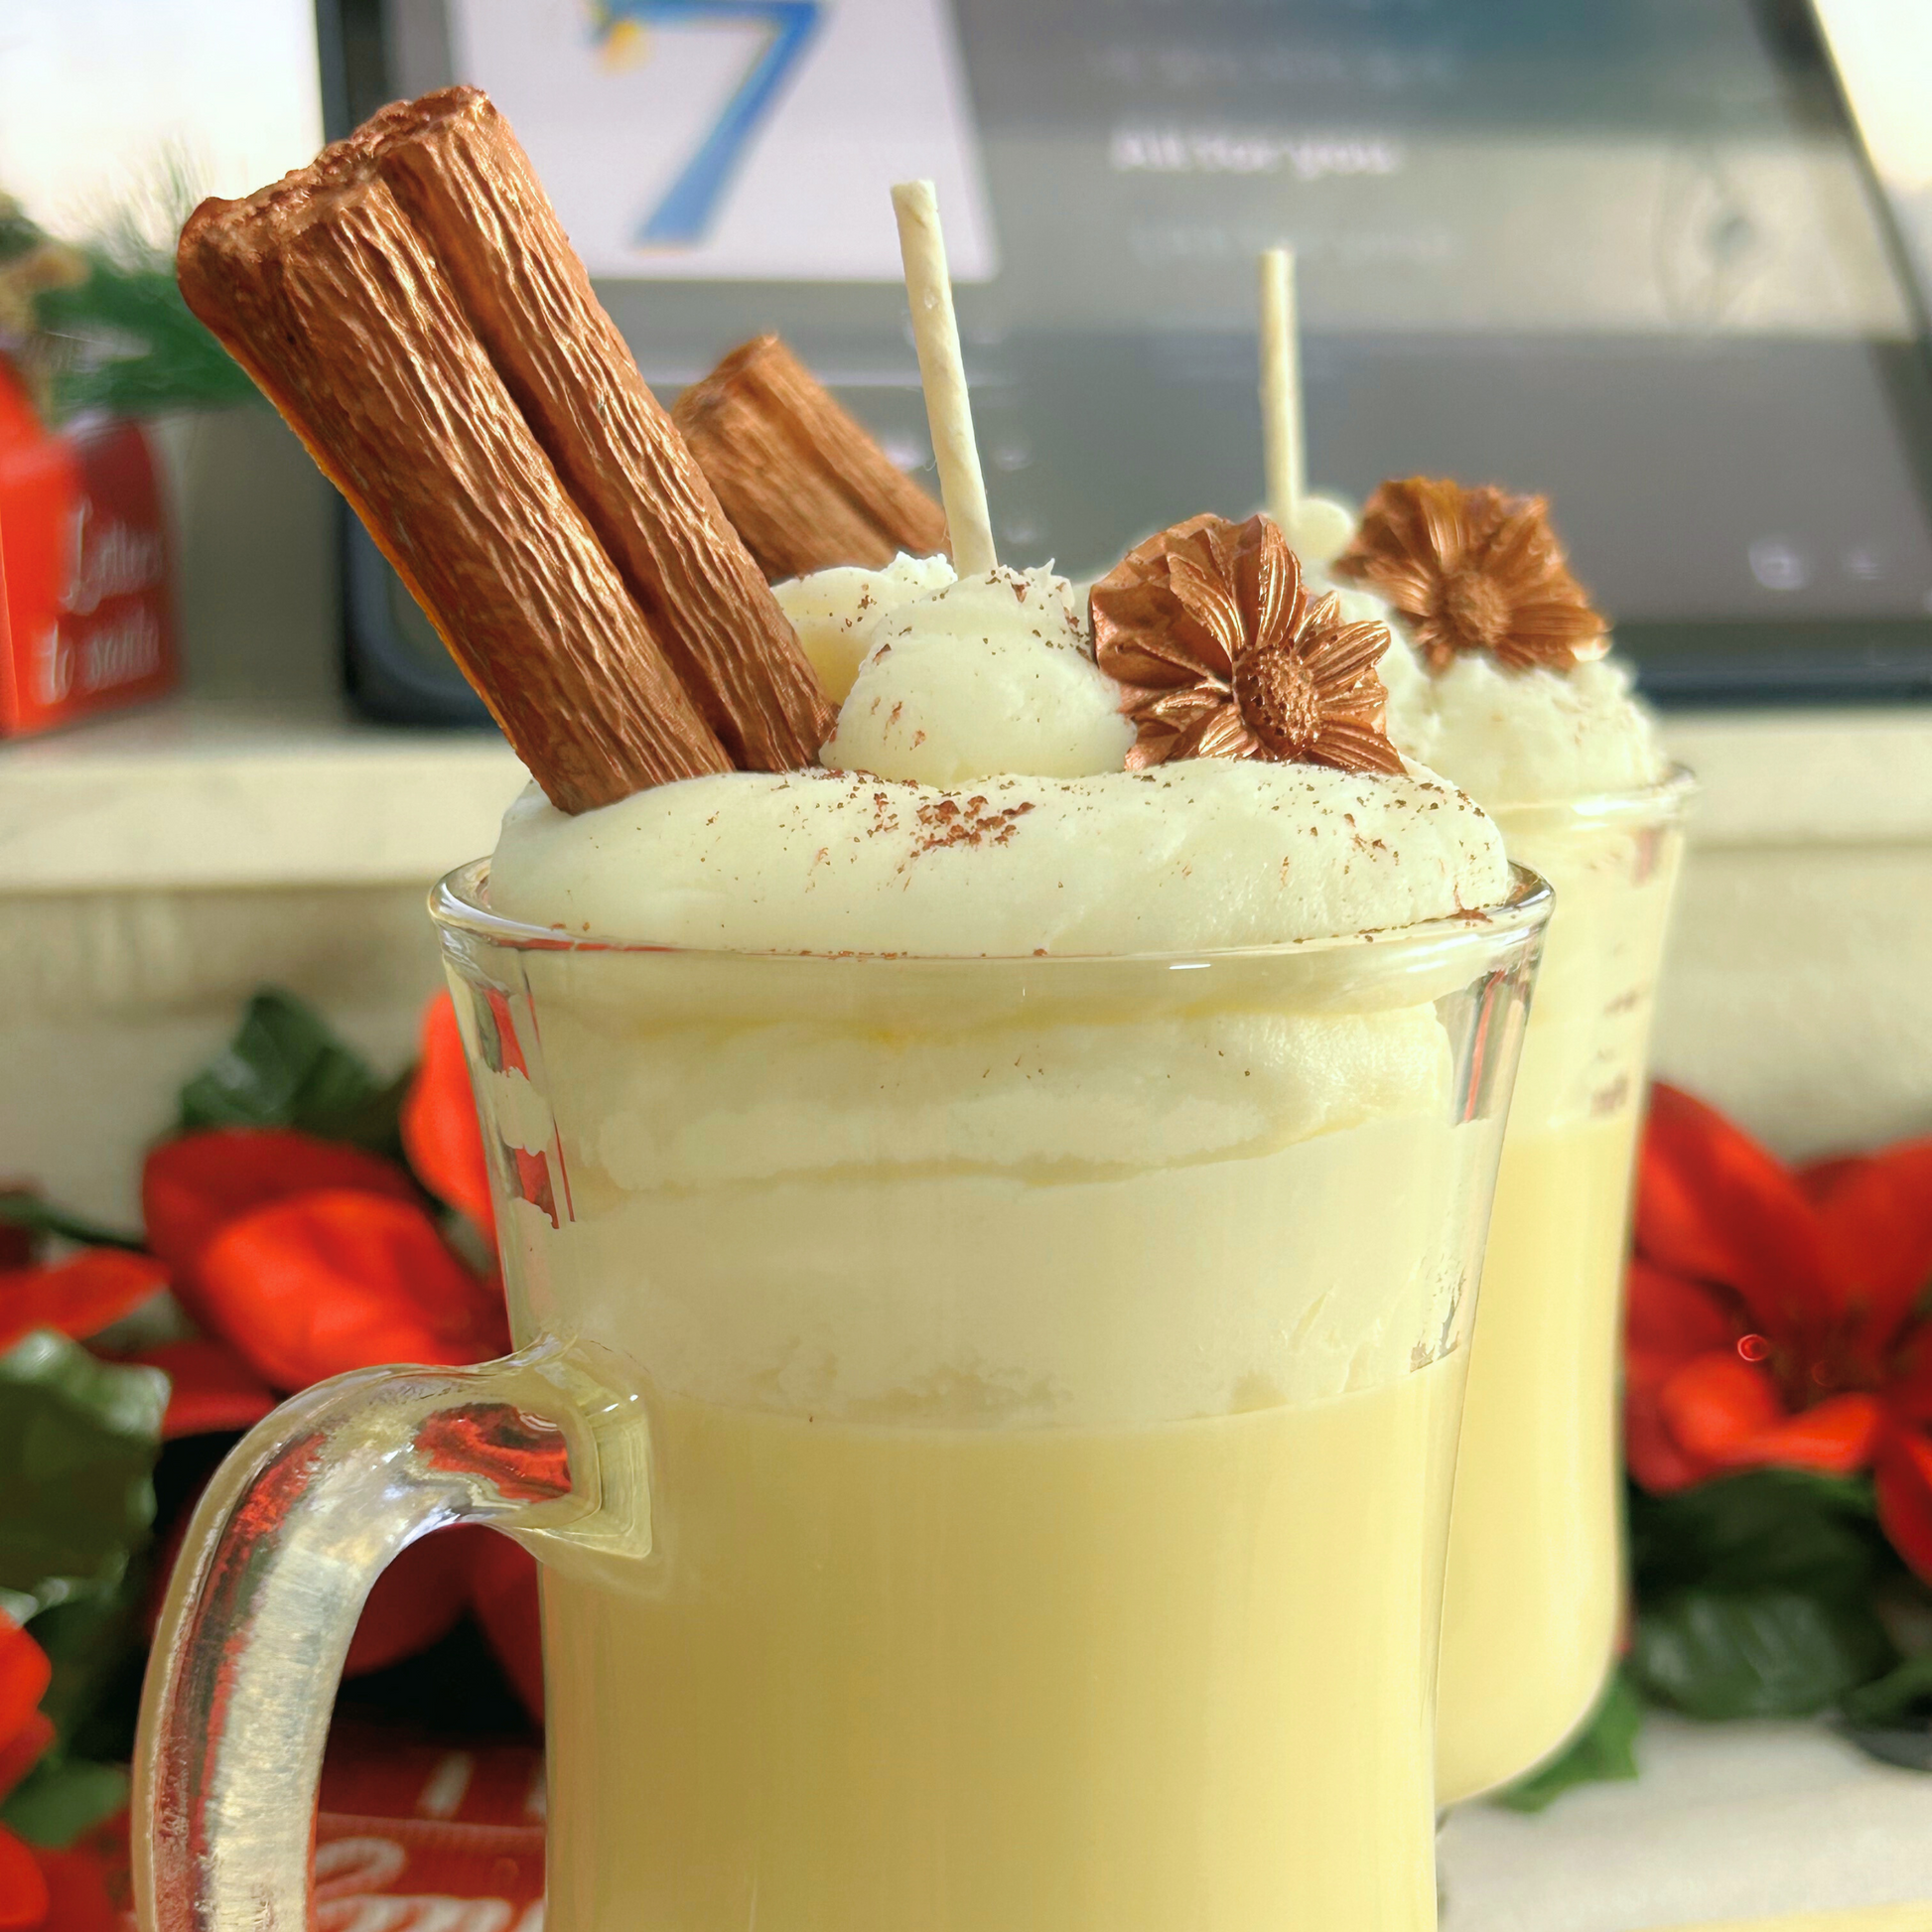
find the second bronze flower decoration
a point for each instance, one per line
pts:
(1474, 570)
(1220, 652)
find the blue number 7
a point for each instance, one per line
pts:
(689, 204)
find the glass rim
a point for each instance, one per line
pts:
(1657, 803)
(458, 903)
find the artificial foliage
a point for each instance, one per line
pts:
(304, 1218)
(77, 1439)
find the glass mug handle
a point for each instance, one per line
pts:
(547, 1445)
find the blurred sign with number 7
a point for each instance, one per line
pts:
(734, 140)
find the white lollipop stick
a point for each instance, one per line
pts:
(942, 374)
(1280, 390)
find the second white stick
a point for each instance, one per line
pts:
(942, 374)
(1280, 390)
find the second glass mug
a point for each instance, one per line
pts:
(1535, 1580)
(987, 1425)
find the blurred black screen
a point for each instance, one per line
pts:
(1622, 252)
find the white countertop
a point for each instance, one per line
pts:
(1728, 1822)
(201, 793)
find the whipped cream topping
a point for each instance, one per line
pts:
(957, 1195)
(991, 675)
(835, 612)
(1322, 526)
(1519, 737)
(1207, 853)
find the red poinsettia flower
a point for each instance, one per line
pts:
(211, 1389)
(43, 1890)
(1782, 1316)
(305, 1258)
(440, 1130)
(24, 1735)
(337, 1279)
(301, 1258)
(80, 1895)
(79, 1297)
(194, 1186)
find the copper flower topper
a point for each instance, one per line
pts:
(1210, 633)
(1474, 569)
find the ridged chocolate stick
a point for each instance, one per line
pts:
(456, 169)
(801, 479)
(321, 289)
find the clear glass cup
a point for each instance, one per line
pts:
(987, 1425)
(1535, 1569)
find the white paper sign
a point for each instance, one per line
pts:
(104, 103)
(736, 140)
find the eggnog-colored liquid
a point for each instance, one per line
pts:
(883, 1678)
(1529, 1617)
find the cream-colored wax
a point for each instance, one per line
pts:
(1052, 1374)
(1083, 1680)
(1053, 1361)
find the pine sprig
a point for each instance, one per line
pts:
(128, 343)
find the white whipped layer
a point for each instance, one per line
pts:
(1145, 1198)
(1078, 1102)
(1203, 854)
(989, 675)
(988, 1298)
(1523, 742)
(835, 612)
(1589, 1030)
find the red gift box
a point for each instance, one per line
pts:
(84, 573)
(409, 1838)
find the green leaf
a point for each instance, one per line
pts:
(1768, 1529)
(286, 1068)
(63, 1797)
(22, 1209)
(1755, 1653)
(1902, 1694)
(1604, 1749)
(94, 1644)
(77, 1444)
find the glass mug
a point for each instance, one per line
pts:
(1535, 1581)
(987, 1425)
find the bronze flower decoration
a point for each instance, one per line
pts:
(1474, 570)
(1210, 633)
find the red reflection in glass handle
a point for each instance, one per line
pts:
(297, 1524)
